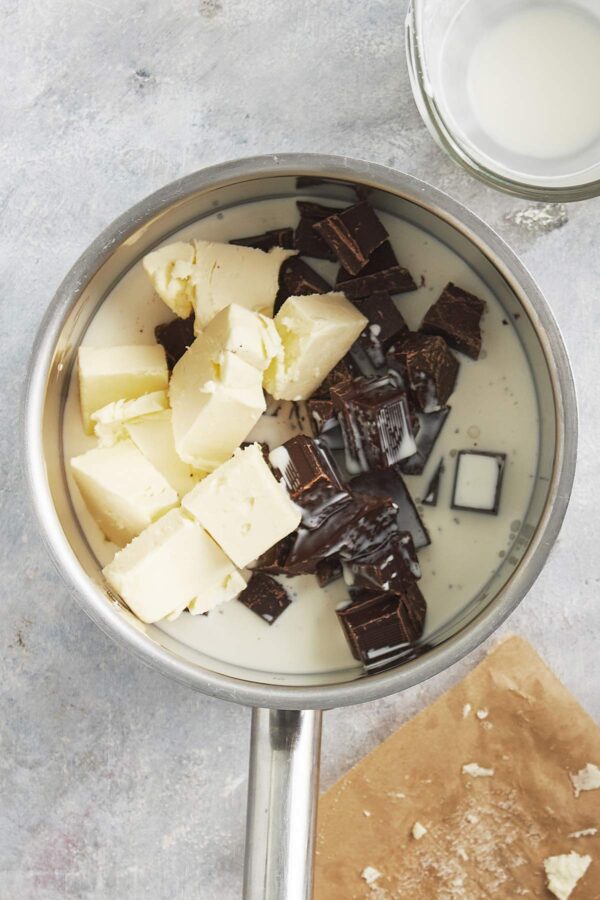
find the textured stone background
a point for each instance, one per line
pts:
(114, 782)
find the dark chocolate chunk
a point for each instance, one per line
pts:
(456, 317)
(382, 273)
(176, 337)
(338, 375)
(433, 488)
(265, 597)
(276, 237)
(379, 626)
(431, 425)
(353, 234)
(296, 278)
(321, 415)
(356, 528)
(386, 324)
(478, 481)
(376, 422)
(428, 367)
(389, 483)
(328, 570)
(306, 239)
(388, 568)
(311, 477)
(274, 559)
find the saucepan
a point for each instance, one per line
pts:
(286, 719)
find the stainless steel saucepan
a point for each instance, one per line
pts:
(286, 720)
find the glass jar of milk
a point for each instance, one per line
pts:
(511, 90)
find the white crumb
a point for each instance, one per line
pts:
(370, 874)
(587, 779)
(472, 818)
(487, 725)
(418, 831)
(585, 832)
(367, 813)
(482, 713)
(397, 795)
(463, 853)
(477, 771)
(466, 710)
(563, 873)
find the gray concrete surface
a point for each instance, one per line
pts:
(115, 783)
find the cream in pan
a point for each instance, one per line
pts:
(492, 409)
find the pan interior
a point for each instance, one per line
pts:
(503, 403)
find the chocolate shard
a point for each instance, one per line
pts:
(432, 490)
(321, 415)
(306, 240)
(431, 425)
(382, 273)
(427, 366)
(353, 234)
(276, 237)
(376, 422)
(386, 325)
(328, 570)
(388, 568)
(265, 597)
(296, 279)
(379, 626)
(478, 481)
(176, 337)
(311, 477)
(389, 483)
(456, 316)
(273, 560)
(356, 528)
(340, 374)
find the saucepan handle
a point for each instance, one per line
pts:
(282, 803)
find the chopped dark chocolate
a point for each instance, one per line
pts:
(322, 415)
(386, 324)
(388, 568)
(328, 570)
(433, 488)
(296, 278)
(354, 529)
(382, 273)
(456, 317)
(478, 481)
(389, 483)
(176, 337)
(311, 477)
(338, 375)
(306, 240)
(376, 422)
(379, 626)
(428, 367)
(353, 234)
(276, 237)
(265, 597)
(431, 425)
(274, 559)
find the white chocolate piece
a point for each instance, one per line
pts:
(227, 273)
(153, 436)
(250, 335)
(243, 506)
(216, 399)
(170, 269)
(122, 490)
(107, 374)
(563, 872)
(316, 332)
(172, 564)
(110, 421)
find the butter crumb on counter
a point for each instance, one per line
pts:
(585, 832)
(482, 714)
(418, 831)
(370, 874)
(476, 771)
(564, 871)
(587, 779)
(467, 710)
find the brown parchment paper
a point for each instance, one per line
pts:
(486, 836)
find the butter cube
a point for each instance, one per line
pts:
(228, 273)
(172, 564)
(216, 399)
(153, 436)
(250, 335)
(243, 506)
(170, 269)
(110, 422)
(316, 332)
(107, 374)
(122, 490)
